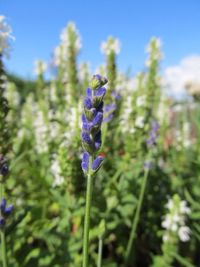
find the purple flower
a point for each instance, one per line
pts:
(89, 92)
(110, 108)
(5, 212)
(96, 164)
(116, 95)
(97, 76)
(108, 118)
(85, 161)
(3, 204)
(91, 122)
(84, 119)
(86, 138)
(86, 125)
(100, 92)
(153, 134)
(97, 119)
(87, 103)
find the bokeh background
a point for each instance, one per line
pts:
(145, 205)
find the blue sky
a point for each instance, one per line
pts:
(37, 24)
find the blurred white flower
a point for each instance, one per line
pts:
(154, 51)
(56, 172)
(184, 233)
(184, 208)
(40, 130)
(69, 34)
(69, 38)
(140, 101)
(175, 219)
(154, 43)
(167, 222)
(5, 36)
(112, 45)
(139, 122)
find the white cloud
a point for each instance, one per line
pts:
(175, 77)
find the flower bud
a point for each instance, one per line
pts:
(97, 81)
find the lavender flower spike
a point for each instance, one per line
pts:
(92, 118)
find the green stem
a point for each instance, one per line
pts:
(99, 263)
(87, 220)
(3, 249)
(136, 218)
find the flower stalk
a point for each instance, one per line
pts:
(136, 217)
(91, 140)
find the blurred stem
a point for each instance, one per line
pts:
(99, 263)
(87, 217)
(136, 218)
(3, 249)
(3, 240)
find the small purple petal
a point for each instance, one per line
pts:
(84, 119)
(116, 95)
(97, 162)
(86, 127)
(108, 118)
(89, 92)
(98, 77)
(110, 108)
(3, 204)
(87, 103)
(86, 138)
(102, 80)
(86, 157)
(97, 119)
(85, 161)
(100, 92)
(84, 166)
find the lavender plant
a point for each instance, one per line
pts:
(91, 140)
